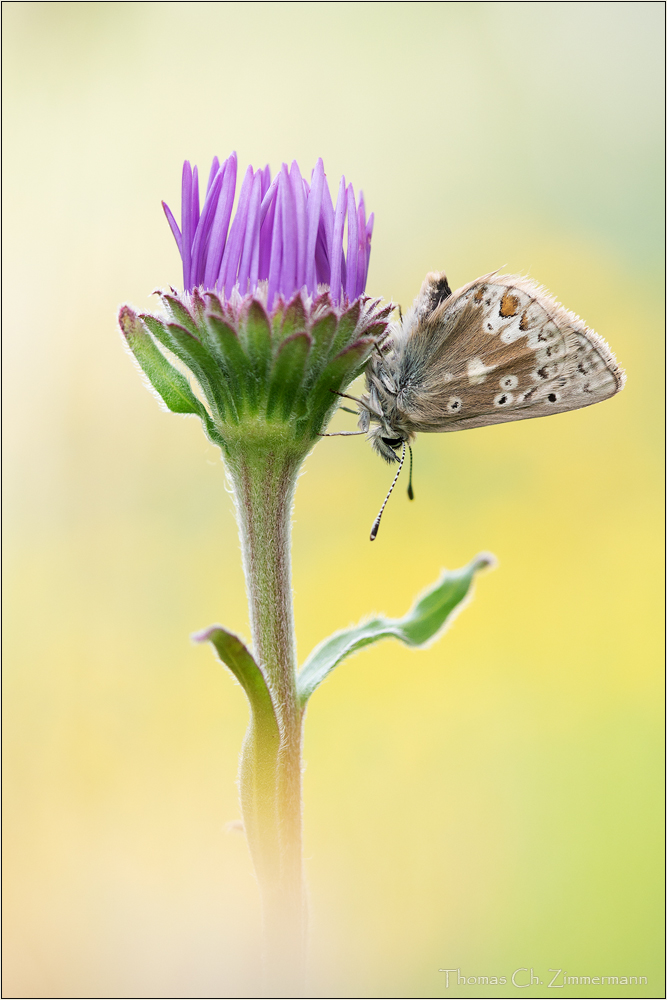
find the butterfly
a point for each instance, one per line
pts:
(498, 349)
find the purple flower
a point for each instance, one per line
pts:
(286, 233)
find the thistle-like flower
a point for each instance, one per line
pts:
(273, 320)
(273, 324)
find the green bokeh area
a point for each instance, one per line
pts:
(490, 804)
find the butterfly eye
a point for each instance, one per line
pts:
(393, 442)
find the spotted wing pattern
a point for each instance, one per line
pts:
(498, 349)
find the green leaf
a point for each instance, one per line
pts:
(428, 618)
(235, 655)
(168, 382)
(259, 757)
(287, 375)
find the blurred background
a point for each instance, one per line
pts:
(490, 804)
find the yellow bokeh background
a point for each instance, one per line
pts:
(490, 804)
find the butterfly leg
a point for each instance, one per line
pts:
(344, 395)
(336, 434)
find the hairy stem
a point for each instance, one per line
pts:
(264, 478)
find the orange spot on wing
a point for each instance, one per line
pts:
(479, 294)
(509, 305)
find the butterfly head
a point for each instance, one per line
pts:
(385, 439)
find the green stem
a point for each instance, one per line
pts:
(263, 474)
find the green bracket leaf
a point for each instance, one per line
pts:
(225, 345)
(428, 618)
(172, 386)
(203, 366)
(287, 375)
(337, 375)
(347, 324)
(180, 313)
(294, 318)
(322, 334)
(256, 331)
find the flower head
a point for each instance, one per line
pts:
(272, 322)
(286, 233)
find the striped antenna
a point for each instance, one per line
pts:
(376, 522)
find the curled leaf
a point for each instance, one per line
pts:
(426, 620)
(235, 655)
(259, 757)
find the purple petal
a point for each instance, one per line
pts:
(300, 206)
(336, 249)
(215, 167)
(220, 224)
(195, 199)
(269, 197)
(289, 226)
(369, 233)
(313, 220)
(327, 213)
(187, 228)
(203, 232)
(285, 231)
(322, 263)
(265, 237)
(266, 179)
(230, 259)
(352, 246)
(173, 226)
(251, 235)
(254, 263)
(275, 257)
(361, 260)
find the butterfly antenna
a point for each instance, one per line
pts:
(411, 492)
(376, 522)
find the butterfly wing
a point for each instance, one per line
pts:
(498, 349)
